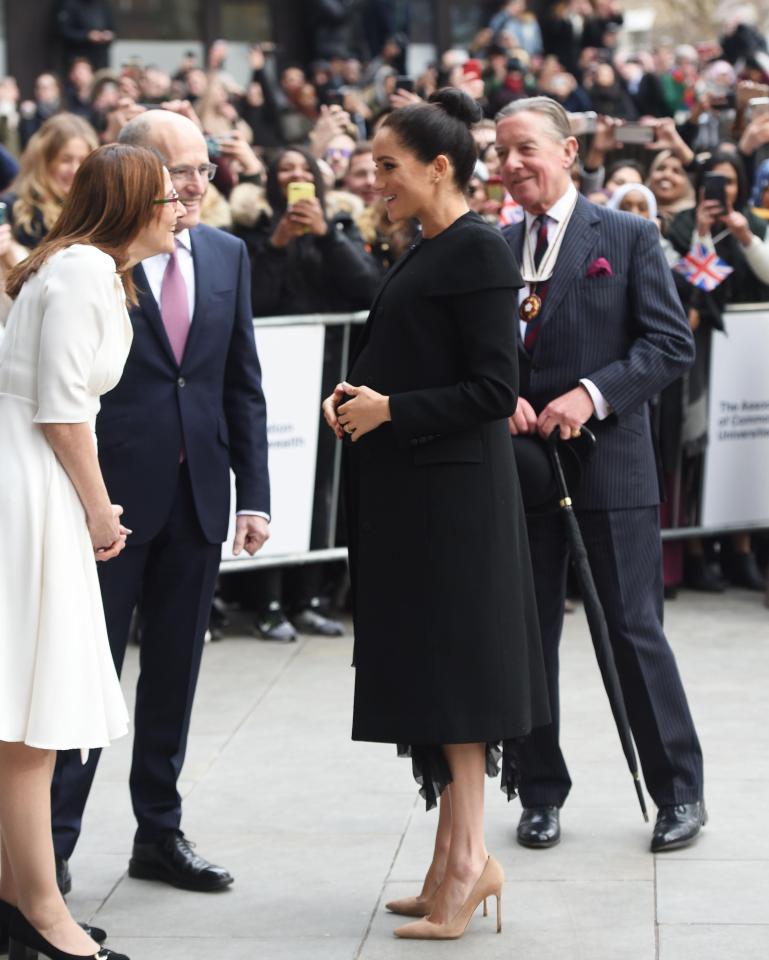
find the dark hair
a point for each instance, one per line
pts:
(440, 126)
(726, 156)
(275, 195)
(625, 164)
(111, 200)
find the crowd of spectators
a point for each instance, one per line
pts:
(651, 125)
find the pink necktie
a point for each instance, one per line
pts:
(174, 306)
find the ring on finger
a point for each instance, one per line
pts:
(576, 431)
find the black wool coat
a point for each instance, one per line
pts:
(447, 643)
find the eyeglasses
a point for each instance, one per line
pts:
(174, 199)
(343, 152)
(206, 171)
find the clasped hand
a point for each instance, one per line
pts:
(355, 411)
(108, 535)
(566, 413)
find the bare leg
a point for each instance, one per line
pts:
(420, 905)
(437, 868)
(25, 824)
(467, 852)
(741, 542)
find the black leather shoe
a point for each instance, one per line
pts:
(63, 876)
(173, 861)
(539, 827)
(700, 575)
(677, 825)
(744, 572)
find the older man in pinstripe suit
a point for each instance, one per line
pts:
(601, 332)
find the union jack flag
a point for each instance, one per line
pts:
(510, 212)
(703, 268)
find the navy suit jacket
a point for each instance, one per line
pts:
(212, 406)
(626, 332)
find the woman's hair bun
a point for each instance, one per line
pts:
(458, 104)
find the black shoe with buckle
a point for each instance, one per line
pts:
(26, 943)
(173, 861)
(678, 825)
(6, 911)
(539, 827)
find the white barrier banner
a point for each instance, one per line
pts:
(292, 366)
(736, 480)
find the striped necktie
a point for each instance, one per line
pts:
(532, 328)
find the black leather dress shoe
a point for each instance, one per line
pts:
(702, 576)
(539, 827)
(745, 572)
(677, 825)
(173, 861)
(63, 876)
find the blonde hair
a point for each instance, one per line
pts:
(214, 123)
(34, 186)
(111, 201)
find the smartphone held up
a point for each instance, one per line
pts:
(714, 188)
(300, 190)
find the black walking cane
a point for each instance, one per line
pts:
(596, 619)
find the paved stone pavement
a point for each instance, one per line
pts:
(320, 832)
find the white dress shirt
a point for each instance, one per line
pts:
(155, 268)
(555, 215)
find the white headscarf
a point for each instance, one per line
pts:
(621, 192)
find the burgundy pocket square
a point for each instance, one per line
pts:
(600, 268)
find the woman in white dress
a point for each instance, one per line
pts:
(66, 341)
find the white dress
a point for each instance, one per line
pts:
(66, 341)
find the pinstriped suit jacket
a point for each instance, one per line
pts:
(627, 333)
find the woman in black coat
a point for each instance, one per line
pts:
(447, 652)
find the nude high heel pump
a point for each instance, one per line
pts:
(489, 884)
(411, 906)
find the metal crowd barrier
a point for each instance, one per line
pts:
(324, 546)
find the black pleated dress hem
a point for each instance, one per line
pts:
(431, 769)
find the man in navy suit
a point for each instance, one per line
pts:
(188, 409)
(601, 332)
